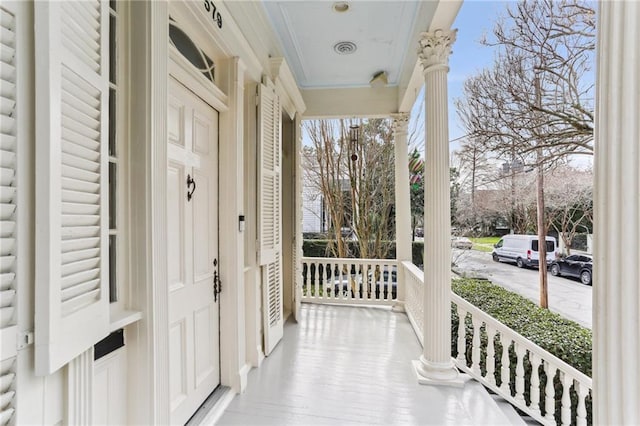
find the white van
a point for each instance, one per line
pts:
(523, 250)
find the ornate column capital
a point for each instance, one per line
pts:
(400, 122)
(435, 48)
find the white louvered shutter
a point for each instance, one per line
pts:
(72, 89)
(269, 207)
(8, 214)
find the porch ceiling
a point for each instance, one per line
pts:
(384, 38)
(385, 35)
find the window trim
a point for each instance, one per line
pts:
(120, 313)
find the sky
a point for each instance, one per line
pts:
(476, 17)
(468, 55)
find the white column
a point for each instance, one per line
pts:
(403, 202)
(616, 304)
(436, 365)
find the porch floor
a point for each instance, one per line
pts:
(352, 365)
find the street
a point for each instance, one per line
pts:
(567, 297)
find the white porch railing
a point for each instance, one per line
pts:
(349, 281)
(519, 373)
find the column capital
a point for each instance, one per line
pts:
(400, 122)
(435, 48)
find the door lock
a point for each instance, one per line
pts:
(217, 282)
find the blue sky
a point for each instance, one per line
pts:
(468, 56)
(476, 18)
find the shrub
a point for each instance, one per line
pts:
(563, 338)
(318, 248)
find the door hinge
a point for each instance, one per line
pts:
(25, 338)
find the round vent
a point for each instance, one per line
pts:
(345, 47)
(341, 6)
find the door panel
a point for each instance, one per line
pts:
(175, 221)
(178, 379)
(175, 123)
(193, 248)
(205, 354)
(205, 232)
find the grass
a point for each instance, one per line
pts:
(484, 243)
(485, 240)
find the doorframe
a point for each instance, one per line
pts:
(233, 367)
(149, 342)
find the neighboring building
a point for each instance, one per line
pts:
(313, 212)
(151, 193)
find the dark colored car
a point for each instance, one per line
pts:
(576, 265)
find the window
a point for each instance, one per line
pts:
(187, 48)
(114, 151)
(550, 246)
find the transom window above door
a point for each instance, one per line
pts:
(187, 48)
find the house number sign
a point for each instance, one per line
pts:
(215, 15)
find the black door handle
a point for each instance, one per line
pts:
(217, 282)
(190, 181)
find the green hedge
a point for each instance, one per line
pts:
(561, 337)
(318, 248)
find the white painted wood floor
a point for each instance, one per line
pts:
(352, 365)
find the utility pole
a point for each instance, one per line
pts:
(542, 232)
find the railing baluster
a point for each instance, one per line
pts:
(326, 279)
(357, 281)
(365, 281)
(315, 279)
(385, 289)
(462, 341)
(520, 351)
(475, 344)
(351, 280)
(535, 382)
(491, 355)
(390, 282)
(550, 393)
(505, 368)
(581, 410)
(565, 411)
(305, 281)
(342, 277)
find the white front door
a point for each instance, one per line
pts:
(192, 216)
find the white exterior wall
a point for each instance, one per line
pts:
(130, 385)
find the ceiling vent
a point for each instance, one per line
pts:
(345, 47)
(341, 6)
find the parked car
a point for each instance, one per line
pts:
(522, 250)
(349, 284)
(461, 243)
(576, 265)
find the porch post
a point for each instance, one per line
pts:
(403, 202)
(436, 365)
(616, 297)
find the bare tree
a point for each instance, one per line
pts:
(325, 167)
(569, 202)
(536, 102)
(354, 173)
(474, 169)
